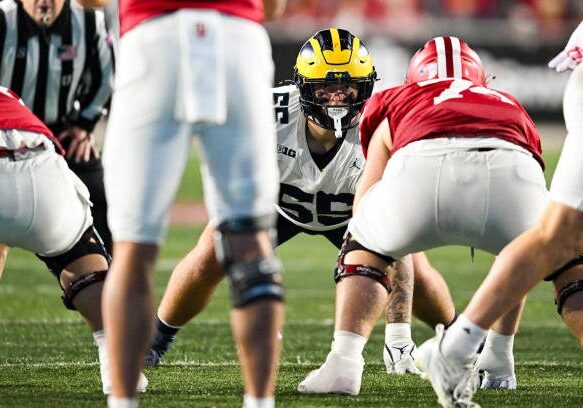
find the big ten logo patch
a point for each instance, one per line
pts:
(281, 102)
(286, 150)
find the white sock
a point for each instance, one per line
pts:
(348, 344)
(99, 338)
(115, 402)
(462, 339)
(397, 334)
(254, 402)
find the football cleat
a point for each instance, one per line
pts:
(152, 358)
(400, 359)
(453, 384)
(161, 344)
(338, 375)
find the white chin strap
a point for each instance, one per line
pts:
(337, 113)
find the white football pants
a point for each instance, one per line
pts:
(191, 71)
(439, 192)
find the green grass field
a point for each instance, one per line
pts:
(47, 359)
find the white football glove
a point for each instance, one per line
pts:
(572, 55)
(400, 359)
(495, 370)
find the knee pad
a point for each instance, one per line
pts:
(566, 292)
(254, 280)
(342, 270)
(89, 243)
(249, 280)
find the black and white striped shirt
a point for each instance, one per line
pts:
(63, 73)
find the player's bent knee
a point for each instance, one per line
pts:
(343, 270)
(89, 243)
(255, 280)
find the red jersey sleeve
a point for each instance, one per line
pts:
(372, 115)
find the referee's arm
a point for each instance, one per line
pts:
(98, 76)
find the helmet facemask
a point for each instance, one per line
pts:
(334, 104)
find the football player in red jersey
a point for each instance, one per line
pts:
(550, 250)
(449, 161)
(45, 209)
(193, 67)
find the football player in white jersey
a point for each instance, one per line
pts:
(320, 162)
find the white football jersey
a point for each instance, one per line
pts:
(314, 199)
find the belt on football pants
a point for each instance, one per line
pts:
(21, 154)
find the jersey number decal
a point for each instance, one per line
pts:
(458, 86)
(296, 202)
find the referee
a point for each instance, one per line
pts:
(58, 57)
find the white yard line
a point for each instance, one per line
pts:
(232, 363)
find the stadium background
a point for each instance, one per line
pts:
(46, 358)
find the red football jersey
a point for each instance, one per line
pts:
(15, 115)
(133, 12)
(446, 108)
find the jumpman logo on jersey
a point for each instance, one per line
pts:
(354, 164)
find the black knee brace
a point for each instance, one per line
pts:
(78, 285)
(342, 270)
(571, 288)
(566, 292)
(571, 264)
(251, 280)
(89, 243)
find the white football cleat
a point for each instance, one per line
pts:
(453, 384)
(338, 375)
(106, 379)
(400, 359)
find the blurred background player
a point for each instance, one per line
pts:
(180, 73)
(551, 250)
(45, 209)
(58, 58)
(467, 161)
(320, 163)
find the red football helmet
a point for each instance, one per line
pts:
(446, 57)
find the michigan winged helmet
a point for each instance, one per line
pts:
(329, 57)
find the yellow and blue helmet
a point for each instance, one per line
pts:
(333, 56)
